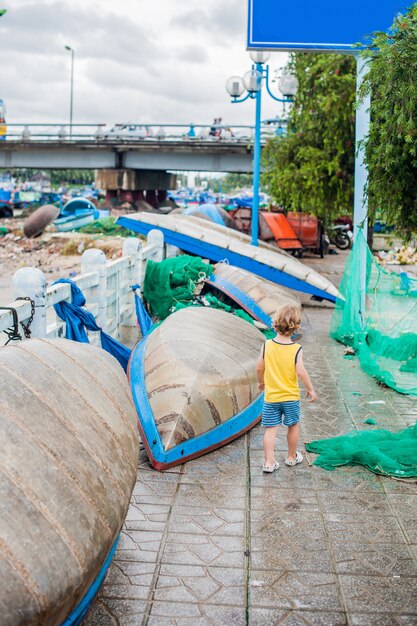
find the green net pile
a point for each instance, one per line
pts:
(106, 226)
(381, 451)
(210, 300)
(379, 319)
(173, 281)
(170, 285)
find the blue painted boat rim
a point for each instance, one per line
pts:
(240, 297)
(217, 253)
(214, 438)
(80, 611)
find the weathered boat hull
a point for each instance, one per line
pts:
(36, 223)
(194, 384)
(68, 436)
(218, 243)
(257, 296)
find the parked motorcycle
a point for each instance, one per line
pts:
(341, 236)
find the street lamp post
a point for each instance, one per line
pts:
(252, 83)
(72, 85)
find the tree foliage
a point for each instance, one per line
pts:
(391, 146)
(311, 168)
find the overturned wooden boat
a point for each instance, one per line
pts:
(219, 243)
(69, 446)
(257, 296)
(194, 384)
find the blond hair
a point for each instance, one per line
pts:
(287, 320)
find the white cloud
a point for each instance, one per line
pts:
(135, 60)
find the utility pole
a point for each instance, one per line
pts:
(72, 86)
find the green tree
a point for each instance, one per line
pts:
(311, 168)
(391, 145)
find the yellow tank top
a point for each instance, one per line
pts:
(280, 376)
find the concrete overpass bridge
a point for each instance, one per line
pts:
(157, 147)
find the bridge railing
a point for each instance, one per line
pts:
(106, 286)
(103, 133)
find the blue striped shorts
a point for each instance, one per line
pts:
(272, 413)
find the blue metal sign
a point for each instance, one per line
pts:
(318, 25)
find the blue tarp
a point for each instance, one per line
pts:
(78, 320)
(142, 315)
(207, 209)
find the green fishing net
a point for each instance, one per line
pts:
(211, 301)
(106, 226)
(381, 451)
(379, 319)
(170, 285)
(173, 281)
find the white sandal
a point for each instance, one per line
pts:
(298, 459)
(268, 469)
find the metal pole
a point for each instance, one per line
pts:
(360, 210)
(256, 164)
(72, 90)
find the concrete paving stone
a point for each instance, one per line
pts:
(354, 503)
(374, 559)
(390, 619)
(203, 549)
(379, 594)
(98, 615)
(128, 591)
(156, 489)
(213, 469)
(150, 475)
(363, 529)
(283, 617)
(407, 409)
(307, 526)
(182, 614)
(405, 486)
(404, 504)
(284, 478)
(304, 555)
(137, 555)
(153, 500)
(144, 538)
(409, 420)
(136, 573)
(154, 511)
(413, 548)
(122, 612)
(282, 500)
(294, 590)
(210, 585)
(409, 526)
(229, 496)
(213, 521)
(347, 478)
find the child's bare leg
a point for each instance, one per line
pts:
(292, 439)
(269, 444)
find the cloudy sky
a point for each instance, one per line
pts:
(136, 60)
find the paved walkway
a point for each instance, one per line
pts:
(217, 542)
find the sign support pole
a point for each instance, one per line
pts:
(360, 210)
(256, 164)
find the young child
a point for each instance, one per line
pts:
(280, 366)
